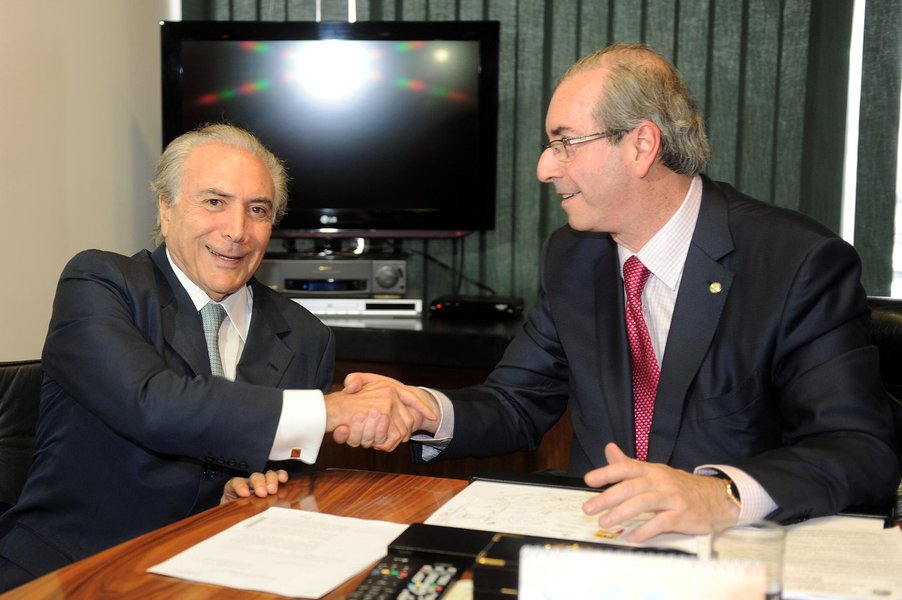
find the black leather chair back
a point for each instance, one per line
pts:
(20, 394)
(886, 334)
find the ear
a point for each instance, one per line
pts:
(647, 146)
(163, 209)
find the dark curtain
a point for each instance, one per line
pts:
(878, 143)
(770, 77)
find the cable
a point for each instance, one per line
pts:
(457, 272)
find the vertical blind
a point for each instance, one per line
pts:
(770, 77)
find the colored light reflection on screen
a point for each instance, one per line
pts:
(410, 84)
(254, 46)
(245, 89)
(331, 72)
(408, 46)
(416, 85)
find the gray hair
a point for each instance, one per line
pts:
(642, 85)
(167, 182)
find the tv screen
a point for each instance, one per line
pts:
(387, 129)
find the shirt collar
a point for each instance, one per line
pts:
(665, 253)
(237, 305)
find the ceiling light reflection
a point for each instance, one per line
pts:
(331, 71)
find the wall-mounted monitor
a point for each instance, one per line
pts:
(387, 129)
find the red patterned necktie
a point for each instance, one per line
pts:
(642, 354)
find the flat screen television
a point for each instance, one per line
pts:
(387, 129)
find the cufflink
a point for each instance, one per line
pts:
(295, 453)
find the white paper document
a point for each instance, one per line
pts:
(284, 551)
(843, 557)
(540, 511)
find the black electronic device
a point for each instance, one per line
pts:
(476, 307)
(450, 543)
(407, 578)
(423, 562)
(542, 478)
(387, 129)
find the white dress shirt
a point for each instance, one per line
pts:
(303, 421)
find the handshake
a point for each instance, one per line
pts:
(371, 411)
(378, 412)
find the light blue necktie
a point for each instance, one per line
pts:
(212, 315)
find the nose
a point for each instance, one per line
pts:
(234, 223)
(548, 168)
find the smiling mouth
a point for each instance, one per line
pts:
(223, 256)
(568, 196)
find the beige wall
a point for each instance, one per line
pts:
(79, 134)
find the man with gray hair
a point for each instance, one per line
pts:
(712, 349)
(172, 372)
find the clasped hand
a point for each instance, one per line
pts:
(378, 412)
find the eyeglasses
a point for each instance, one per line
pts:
(562, 147)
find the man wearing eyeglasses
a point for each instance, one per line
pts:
(712, 349)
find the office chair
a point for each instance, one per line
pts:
(20, 394)
(886, 334)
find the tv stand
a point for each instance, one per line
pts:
(345, 248)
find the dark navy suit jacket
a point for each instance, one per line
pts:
(134, 432)
(769, 370)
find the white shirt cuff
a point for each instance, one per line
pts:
(302, 426)
(756, 502)
(434, 444)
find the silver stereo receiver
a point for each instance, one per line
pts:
(353, 277)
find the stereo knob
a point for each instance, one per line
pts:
(388, 276)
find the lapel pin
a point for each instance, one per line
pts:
(715, 287)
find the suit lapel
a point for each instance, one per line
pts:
(614, 368)
(180, 321)
(266, 356)
(704, 289)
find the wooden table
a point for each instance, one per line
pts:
(120, 572)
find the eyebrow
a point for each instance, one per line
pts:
(222, 194)
(215, 192)
(561, 131)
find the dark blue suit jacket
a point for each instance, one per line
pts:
(134, 432)
(773, 373)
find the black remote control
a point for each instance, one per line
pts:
(406, 578)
